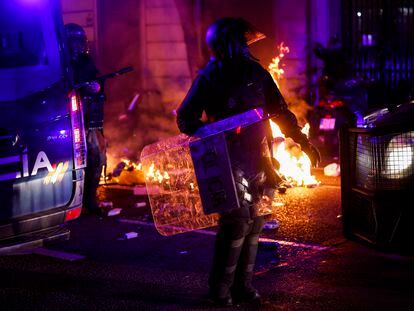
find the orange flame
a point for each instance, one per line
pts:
(156, 175)
(275, 66)
(305, 129)
(134, 172)
(131, 165)
(295, 165)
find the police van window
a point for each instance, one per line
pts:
(29, 49)
(22, 47)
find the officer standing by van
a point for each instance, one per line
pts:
(93, 98)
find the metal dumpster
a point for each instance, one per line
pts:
(377, 180)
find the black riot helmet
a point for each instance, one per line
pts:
(230, 37)
(77, 40)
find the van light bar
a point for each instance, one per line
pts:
(74, 103)
(76, 134)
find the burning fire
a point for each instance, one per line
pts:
(305, 129)
(130, 165)
(275, 66)
(295, 165)
(156, 175)
(133, 173)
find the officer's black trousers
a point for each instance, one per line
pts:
(235, 255)
(95, 162)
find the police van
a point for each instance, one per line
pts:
(42, 137)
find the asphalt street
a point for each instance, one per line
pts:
(306, 264)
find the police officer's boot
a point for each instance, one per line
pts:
(243, 290)
(229, 243)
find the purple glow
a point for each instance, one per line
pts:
(31, 2)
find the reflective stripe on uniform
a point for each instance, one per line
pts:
(249, 268)
(237, 243)
(253, 239)
(230, 269)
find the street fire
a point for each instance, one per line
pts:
(131, 165)
(128, 172)
(274, 67)
(305, 129)
(156, 175)
(295, 165)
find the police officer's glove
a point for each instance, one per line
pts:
(314, 155)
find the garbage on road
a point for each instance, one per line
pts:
(140, 204)
(332, 169)
(271, 225)
(129, 235)
(127, 173)
(114, 211)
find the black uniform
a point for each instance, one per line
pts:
(84, 70)
(222, 89)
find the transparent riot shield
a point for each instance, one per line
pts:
(190, 180)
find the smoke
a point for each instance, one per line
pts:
(129, 129)
(151, 120)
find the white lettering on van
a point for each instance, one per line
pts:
(25, 161)
(42, 161)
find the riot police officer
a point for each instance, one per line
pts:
(233, 82)
(93, 97)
